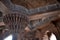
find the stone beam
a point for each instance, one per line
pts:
(3, 8)
(43, 15)
(19, 8)
(43, 21)
(44, 9)
(14, 7)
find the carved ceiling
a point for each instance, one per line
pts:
(33, 3)
(36, 21)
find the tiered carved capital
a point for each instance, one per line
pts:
(16, 21)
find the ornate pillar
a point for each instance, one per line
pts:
(16, 23)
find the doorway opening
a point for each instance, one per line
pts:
(9, 37)
(53, 37)
(49, 36)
